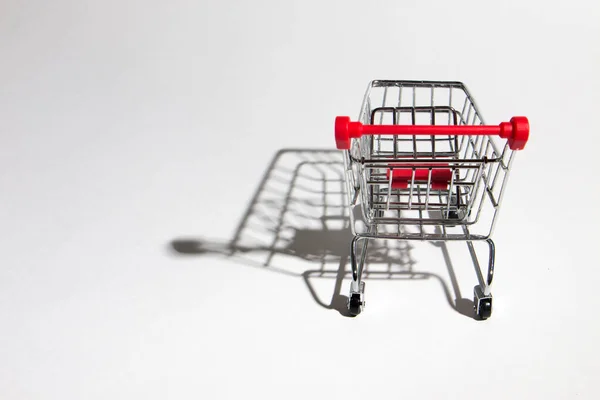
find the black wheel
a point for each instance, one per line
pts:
(485, 309)
(453, 215)
(355, 305)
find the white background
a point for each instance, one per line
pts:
(128, 125)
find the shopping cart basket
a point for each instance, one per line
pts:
(422, 165)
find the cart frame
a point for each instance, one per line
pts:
(422, 165)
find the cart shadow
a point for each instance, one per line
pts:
(297, 217)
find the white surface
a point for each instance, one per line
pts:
(125, 125)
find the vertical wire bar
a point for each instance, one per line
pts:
(389, 194)
(428, 188)
(414, 119)
(457, 147)
(463, 144)
(450, 105)
(400, 97)
(489, 171)
(485, 139)
(453, 143)
(432, 122)
(414, 138)
(462, 114)
(399, 106)
(412, 184)
(385, 90)
(370, 117)
(474, 145)
(399, 217)
(378, 140)
(467, 122)
(398, 199)
(464, 140)
(473, 155)
(398, 120)
(488, 176)
(420, 209)
(450, 190)
(395, 121)
(503, 156)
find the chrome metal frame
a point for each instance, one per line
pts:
(468, 207)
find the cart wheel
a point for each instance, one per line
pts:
(355, 305)
(455, 201)
(453, 215)
(485, 308)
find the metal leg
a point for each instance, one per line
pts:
(356, 301)
(482, 297)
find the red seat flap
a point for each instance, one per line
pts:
(402, 176)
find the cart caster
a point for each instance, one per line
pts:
(355, 305)
(485, 309)
(356, 301)
(456, 212)
(452, 216)
(482, 303)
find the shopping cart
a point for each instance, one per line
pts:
(423, 166)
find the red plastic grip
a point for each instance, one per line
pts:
(516, 131)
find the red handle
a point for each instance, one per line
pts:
(516, 131)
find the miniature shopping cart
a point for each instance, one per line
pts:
(422, 165)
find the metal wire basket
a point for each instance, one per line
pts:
(422, 165)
